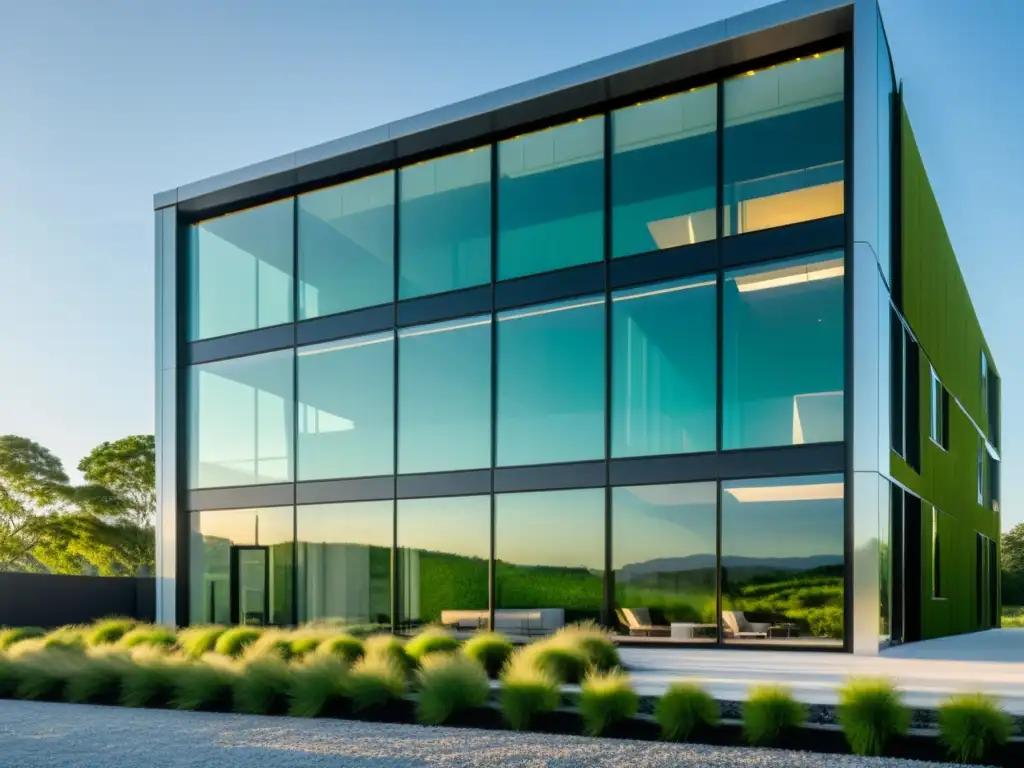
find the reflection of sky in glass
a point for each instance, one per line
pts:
(240, 526)
(783, 527)
(369, 523)
(459, 525)
(657, 521)
(552, 528)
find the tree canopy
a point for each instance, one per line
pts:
(104, 526)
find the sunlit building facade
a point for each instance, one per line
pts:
(636, 342)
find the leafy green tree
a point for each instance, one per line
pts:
(32, 486)
(1013, 549)
(127, 469)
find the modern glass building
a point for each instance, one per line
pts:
(674, 340)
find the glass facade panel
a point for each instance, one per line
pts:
(444, 396)
(551, 376)
(346, 408)
(551, 199)
(347, 246)
(784, 144)
(664, 171)
(783, 560)
(240, 421)
(783, 365)
(664, 544)
(549, 553)
(240, 566)
(445, 224)
(664, 368)
(240, 271)
(444, 549)
(344, 561)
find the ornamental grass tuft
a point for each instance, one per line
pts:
(683, 709)
(150, 680)
(449, 684)
(374, 681)
(526, 691)
(606, 698)
(491, 650)
(262, 686)
(318, 686)
(206, 684)
(108, 631)
(234, 640)
(595, 643)
(871, 714)
(148, 635)
(769, 712)
(972, 725)
(97, 677)
(566, 662)
(9, 637)
(431, 640)
(347, 648)
(389, 648)
(197, 640)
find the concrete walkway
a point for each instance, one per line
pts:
(928, 671)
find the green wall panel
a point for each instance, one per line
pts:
(938, 308)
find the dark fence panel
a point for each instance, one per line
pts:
(44, 600)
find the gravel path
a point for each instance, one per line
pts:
(75, 736)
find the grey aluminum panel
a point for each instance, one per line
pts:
(590, 474)
(250, 496)
(469, 483)
(335, 491)
(884, 360)
(864, 173)
(676, 57)
(166, 376)
(868, 489)
(242, 344)
(865, 276)
(165, 199)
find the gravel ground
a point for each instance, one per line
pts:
(75, 736)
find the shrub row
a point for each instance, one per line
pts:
(309, 673)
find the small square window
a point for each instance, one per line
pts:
(939, 409)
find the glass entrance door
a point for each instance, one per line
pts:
(250, 603)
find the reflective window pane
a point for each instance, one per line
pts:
(346, 408)
(664, 368)
(444, 396)
(344, 561)
(241, 563)
(444, 547)
(664, 168)
(551, 199)
(240, 271)
(784, 144)
(347, 246)
(551, 383)
(782, 371)
(664, 561)
(240, 421)
(549, 554)
(783, 560)
(445, 224)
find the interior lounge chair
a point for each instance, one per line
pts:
(638, 621)
(735, 624)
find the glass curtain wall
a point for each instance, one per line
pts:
(664, 561)
(347, 246)
(783, 560)
(444, 552)
(344, 562)
(241, 565)
(784, 144)
(240, 421)
(240, 271)
(664, 172)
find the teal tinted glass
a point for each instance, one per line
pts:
(444, 550)
(551, 199)
(783, 560)
(347, 246)
(445, 224)
(664, 368)
(240, 421)
(444, 396)
(346, 408)
(784, 144)
(344, 562)
(551, 383)
(664, 171)
(782, 371)
(240, 271)
(664, 545)
(219, 536)
(549, 554)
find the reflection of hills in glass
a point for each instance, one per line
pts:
(733, 563)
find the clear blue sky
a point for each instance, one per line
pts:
(103, 103)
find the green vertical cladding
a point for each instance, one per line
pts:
(938, 309)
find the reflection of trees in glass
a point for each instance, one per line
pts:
(812, 599)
